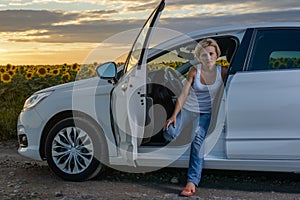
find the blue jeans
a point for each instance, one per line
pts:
(200, 126)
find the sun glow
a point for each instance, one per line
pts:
(28, 35)
(44, 31)
(34, 53)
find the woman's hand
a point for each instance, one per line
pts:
(170, 121)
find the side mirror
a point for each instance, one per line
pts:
(107, 70)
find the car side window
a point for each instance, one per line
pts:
(275, 49)
(173, 58)
(181, 58)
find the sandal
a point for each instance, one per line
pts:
(187, 192)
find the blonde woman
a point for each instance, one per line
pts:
(195, 104)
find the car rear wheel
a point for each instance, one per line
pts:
(74, 149)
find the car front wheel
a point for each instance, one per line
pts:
(74, 149)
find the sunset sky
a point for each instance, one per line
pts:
(68, 31)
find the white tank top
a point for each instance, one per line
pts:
(201, 97)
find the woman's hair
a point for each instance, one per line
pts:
(205, 43)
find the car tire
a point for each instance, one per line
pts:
(75, 149)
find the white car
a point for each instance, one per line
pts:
(116, 119)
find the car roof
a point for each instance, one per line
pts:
(220, 30)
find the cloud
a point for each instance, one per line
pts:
(94, 26)
(64, 27)
(52, 27)
(142, 7)
(108, 1)
(266, 3)
(130, 7)
(22, 20)
(202, 22)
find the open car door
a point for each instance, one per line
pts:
(129, 95)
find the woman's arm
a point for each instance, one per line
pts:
(182, 97)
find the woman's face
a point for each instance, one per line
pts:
(208, 56)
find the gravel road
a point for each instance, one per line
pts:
(21, 178)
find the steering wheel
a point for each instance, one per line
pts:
(173, 80)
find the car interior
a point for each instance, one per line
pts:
(164, 85)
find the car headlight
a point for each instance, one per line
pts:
(35, 99)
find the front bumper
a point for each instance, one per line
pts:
(29, 130)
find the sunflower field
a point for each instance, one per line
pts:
(17, 83)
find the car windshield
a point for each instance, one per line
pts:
(139, 45)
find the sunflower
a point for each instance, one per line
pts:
(8, 67)
(91, 72)
(64, 69)
(66, 77)
(29, 75)
(6, 77)
(172, 65)
(223, 62)
(41, 72)
(2, 70)
(55, 72)
(12, 72)
(75, 67)
(14, 68)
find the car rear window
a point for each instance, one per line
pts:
(276, 49)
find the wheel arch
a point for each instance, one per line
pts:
(58, 117)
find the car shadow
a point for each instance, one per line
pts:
(172, 180)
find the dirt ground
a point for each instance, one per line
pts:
(21, 178)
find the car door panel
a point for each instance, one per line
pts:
(129, 96)
(128, 113)
(263, 115)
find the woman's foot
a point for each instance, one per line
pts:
(189, 190)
